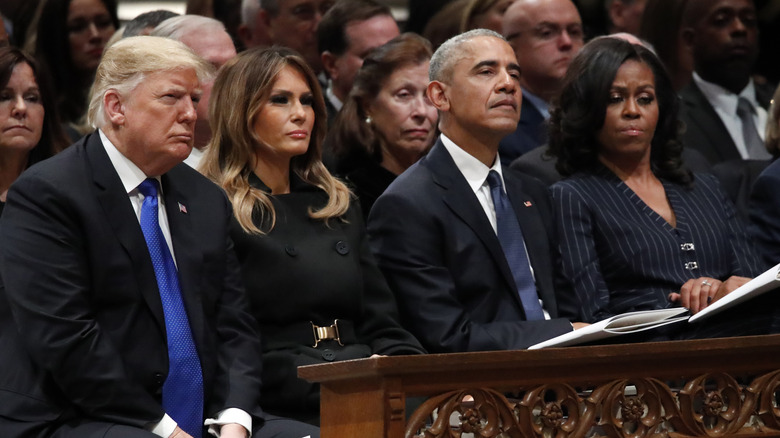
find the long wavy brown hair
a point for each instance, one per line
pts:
(242, 87)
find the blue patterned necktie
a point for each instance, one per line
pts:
(511, 237)
(183, 388)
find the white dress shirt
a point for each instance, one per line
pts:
(131, 177)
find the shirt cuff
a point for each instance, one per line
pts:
(227, 416)
(165, 427)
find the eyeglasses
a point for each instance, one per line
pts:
(547, 32)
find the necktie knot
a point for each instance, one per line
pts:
(494, 180)
(149, 187)
(744, 107)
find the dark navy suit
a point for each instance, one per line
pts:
(82, 333)
(621, 256)
(443, 261)
(764, 212)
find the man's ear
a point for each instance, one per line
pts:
(329, 64)
(437, 94)
(688, 37)
(114, 107)
(616, 11)
(244, 34)
(265, 18)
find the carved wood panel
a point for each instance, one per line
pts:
(710, 405)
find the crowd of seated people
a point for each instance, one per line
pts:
(180, 221)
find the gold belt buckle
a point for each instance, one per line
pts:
(330, 332)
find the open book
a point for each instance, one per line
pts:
(631, 322)
(763, 283)
(634, 322)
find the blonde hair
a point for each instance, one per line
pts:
(772, 137)
(241, 89)
(126, 63)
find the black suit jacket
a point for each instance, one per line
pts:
(764, 208)
(87, 340)
(704, 130)
(445, 264)
(531, 133)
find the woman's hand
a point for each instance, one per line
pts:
(698, 293)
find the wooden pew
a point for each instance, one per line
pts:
(707, 388)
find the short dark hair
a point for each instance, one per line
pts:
(331, 32)
(147, 19)
(579, 111)
(351, 137)
(53, 138)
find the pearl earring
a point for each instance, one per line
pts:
(368, 119)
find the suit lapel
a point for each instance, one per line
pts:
(700, 111)
(189, 259)
(120, 216)
(459, 197)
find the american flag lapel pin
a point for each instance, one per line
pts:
(526, 203)
(182, 208)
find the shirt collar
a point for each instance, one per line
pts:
(130, 175)
(335, 101)
(472, 169)
(724, 99)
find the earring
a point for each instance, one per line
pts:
(368, 119)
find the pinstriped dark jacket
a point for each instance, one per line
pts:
(620, 256)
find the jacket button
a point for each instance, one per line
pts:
(159, 378)
(328, 355)
(291, 251)
(342, 247)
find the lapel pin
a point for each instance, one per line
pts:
(182, 208)
(526, 203)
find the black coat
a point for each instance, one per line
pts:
(303, 271)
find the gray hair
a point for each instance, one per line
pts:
(449, 53)
(249, 10)
(177, 27)
(126, 63)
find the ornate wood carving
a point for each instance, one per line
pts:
(710, 405)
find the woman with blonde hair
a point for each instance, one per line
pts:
(311, 282)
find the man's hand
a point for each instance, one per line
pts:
(178, 433)
(579, 325)
(233, 430)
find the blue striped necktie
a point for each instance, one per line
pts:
(183, 388)
(511, 237)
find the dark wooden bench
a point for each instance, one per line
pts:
(706, 388)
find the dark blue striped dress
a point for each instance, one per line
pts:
(618, 255)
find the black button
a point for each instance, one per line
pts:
(328, 355)
(159, 378)
(342, 247)
(291, 251)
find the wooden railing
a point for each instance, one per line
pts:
(707, 388)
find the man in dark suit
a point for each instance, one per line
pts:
(119, 318)
(435, 230)
(545, 35)
(724, 110)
